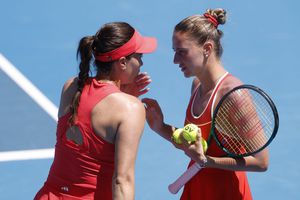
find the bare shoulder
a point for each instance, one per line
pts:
(120, 106)
(228, 84)
(67, 93)
(70, 85)
(126, 103)
(118, 113)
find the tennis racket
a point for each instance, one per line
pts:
(245, 121)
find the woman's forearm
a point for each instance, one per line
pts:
(257, 163)
(123, 187)
(166, 131)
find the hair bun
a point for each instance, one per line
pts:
(219, 14)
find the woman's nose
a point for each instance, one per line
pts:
(175, 60)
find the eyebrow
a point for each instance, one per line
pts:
(179, 49)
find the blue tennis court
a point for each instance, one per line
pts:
(38, 46)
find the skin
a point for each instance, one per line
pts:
(138, 82)
(201, 62)
(110, 120)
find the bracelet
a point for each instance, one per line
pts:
(204, 162)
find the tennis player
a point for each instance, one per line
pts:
(198, 50)
(99, 125)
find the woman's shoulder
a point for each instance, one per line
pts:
(70, 84)
(67, 93)
(120, 107)
(126, 101)
(229, 83)
(69, 89)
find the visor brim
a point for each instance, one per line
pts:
(148, 45)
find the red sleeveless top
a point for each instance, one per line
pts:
(82, 171)
(210, 183)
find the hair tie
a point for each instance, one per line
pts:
(212, 19)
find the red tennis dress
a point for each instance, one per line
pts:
(81, 171)
(210, 183)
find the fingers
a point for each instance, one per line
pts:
(199, 136)
(151, 106)
(192, 149)
(185, 143)
(149, 102)
(142, 75)
(144, 91)
(141, 82)
(143, 79)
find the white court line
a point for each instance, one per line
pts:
(28, 87)
(40, 99)
(26, 155)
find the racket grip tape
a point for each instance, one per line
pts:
(184, 178)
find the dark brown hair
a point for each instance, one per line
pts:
(202, 29)
(109, 37)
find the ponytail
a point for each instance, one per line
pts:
(85, 52)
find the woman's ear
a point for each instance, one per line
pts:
(122, 61)
(207, 48)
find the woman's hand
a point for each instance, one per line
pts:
(139, 86)
(154, 114)
(194, 150)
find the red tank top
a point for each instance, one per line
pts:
(210, 183)
(87, 169)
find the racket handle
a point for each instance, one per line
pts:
(184, 178)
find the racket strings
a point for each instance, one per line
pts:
(244, 122)
(252, 123)
(232, 140)
(254, 126)
(236, 141)
(265, 112)
(264, 109)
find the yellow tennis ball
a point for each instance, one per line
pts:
(204, 145)
(176, 136)
(190, 132)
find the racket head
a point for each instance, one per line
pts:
(245, 121)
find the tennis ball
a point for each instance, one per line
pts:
(176, 136)
(204, 145)
(190, 132)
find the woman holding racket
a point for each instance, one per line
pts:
(197, 46)
(97, 142)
